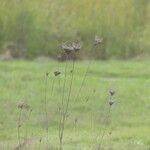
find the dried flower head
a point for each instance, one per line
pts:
(67, 47)
(77, 46)
(111, 102)
(21, 105)
(70, 47)
(112, 92)
(98, 40)
(56, 73)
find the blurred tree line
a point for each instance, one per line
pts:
(33, 27)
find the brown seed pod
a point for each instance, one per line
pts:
(56, 73)
(111, 103)
(112, 92)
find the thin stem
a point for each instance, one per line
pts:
(66, 109)
(84, 78)
(65, 78)
(53, 82)
(105, 129)
(70, 87)
(59, 125)
(28, 119)
(62, 112)
(60, 109)
(18, 128)
(83, 81)
(46, 113)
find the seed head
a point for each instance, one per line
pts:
(77, 46)
(111, 102)
(112, 92)
(98, 40)
(67, 47)
(21, 105)
(70, 47)
(56, 73)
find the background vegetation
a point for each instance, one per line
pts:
(129, 124)
(34, 27)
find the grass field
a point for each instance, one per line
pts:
(129, 123)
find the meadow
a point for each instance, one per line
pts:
(127, 129)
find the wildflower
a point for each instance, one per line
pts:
(70, 47)
(67, 47)
(112, 92)
(77, 46)
(98, 40)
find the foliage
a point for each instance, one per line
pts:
(38, 27)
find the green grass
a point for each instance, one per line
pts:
(24, 80)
